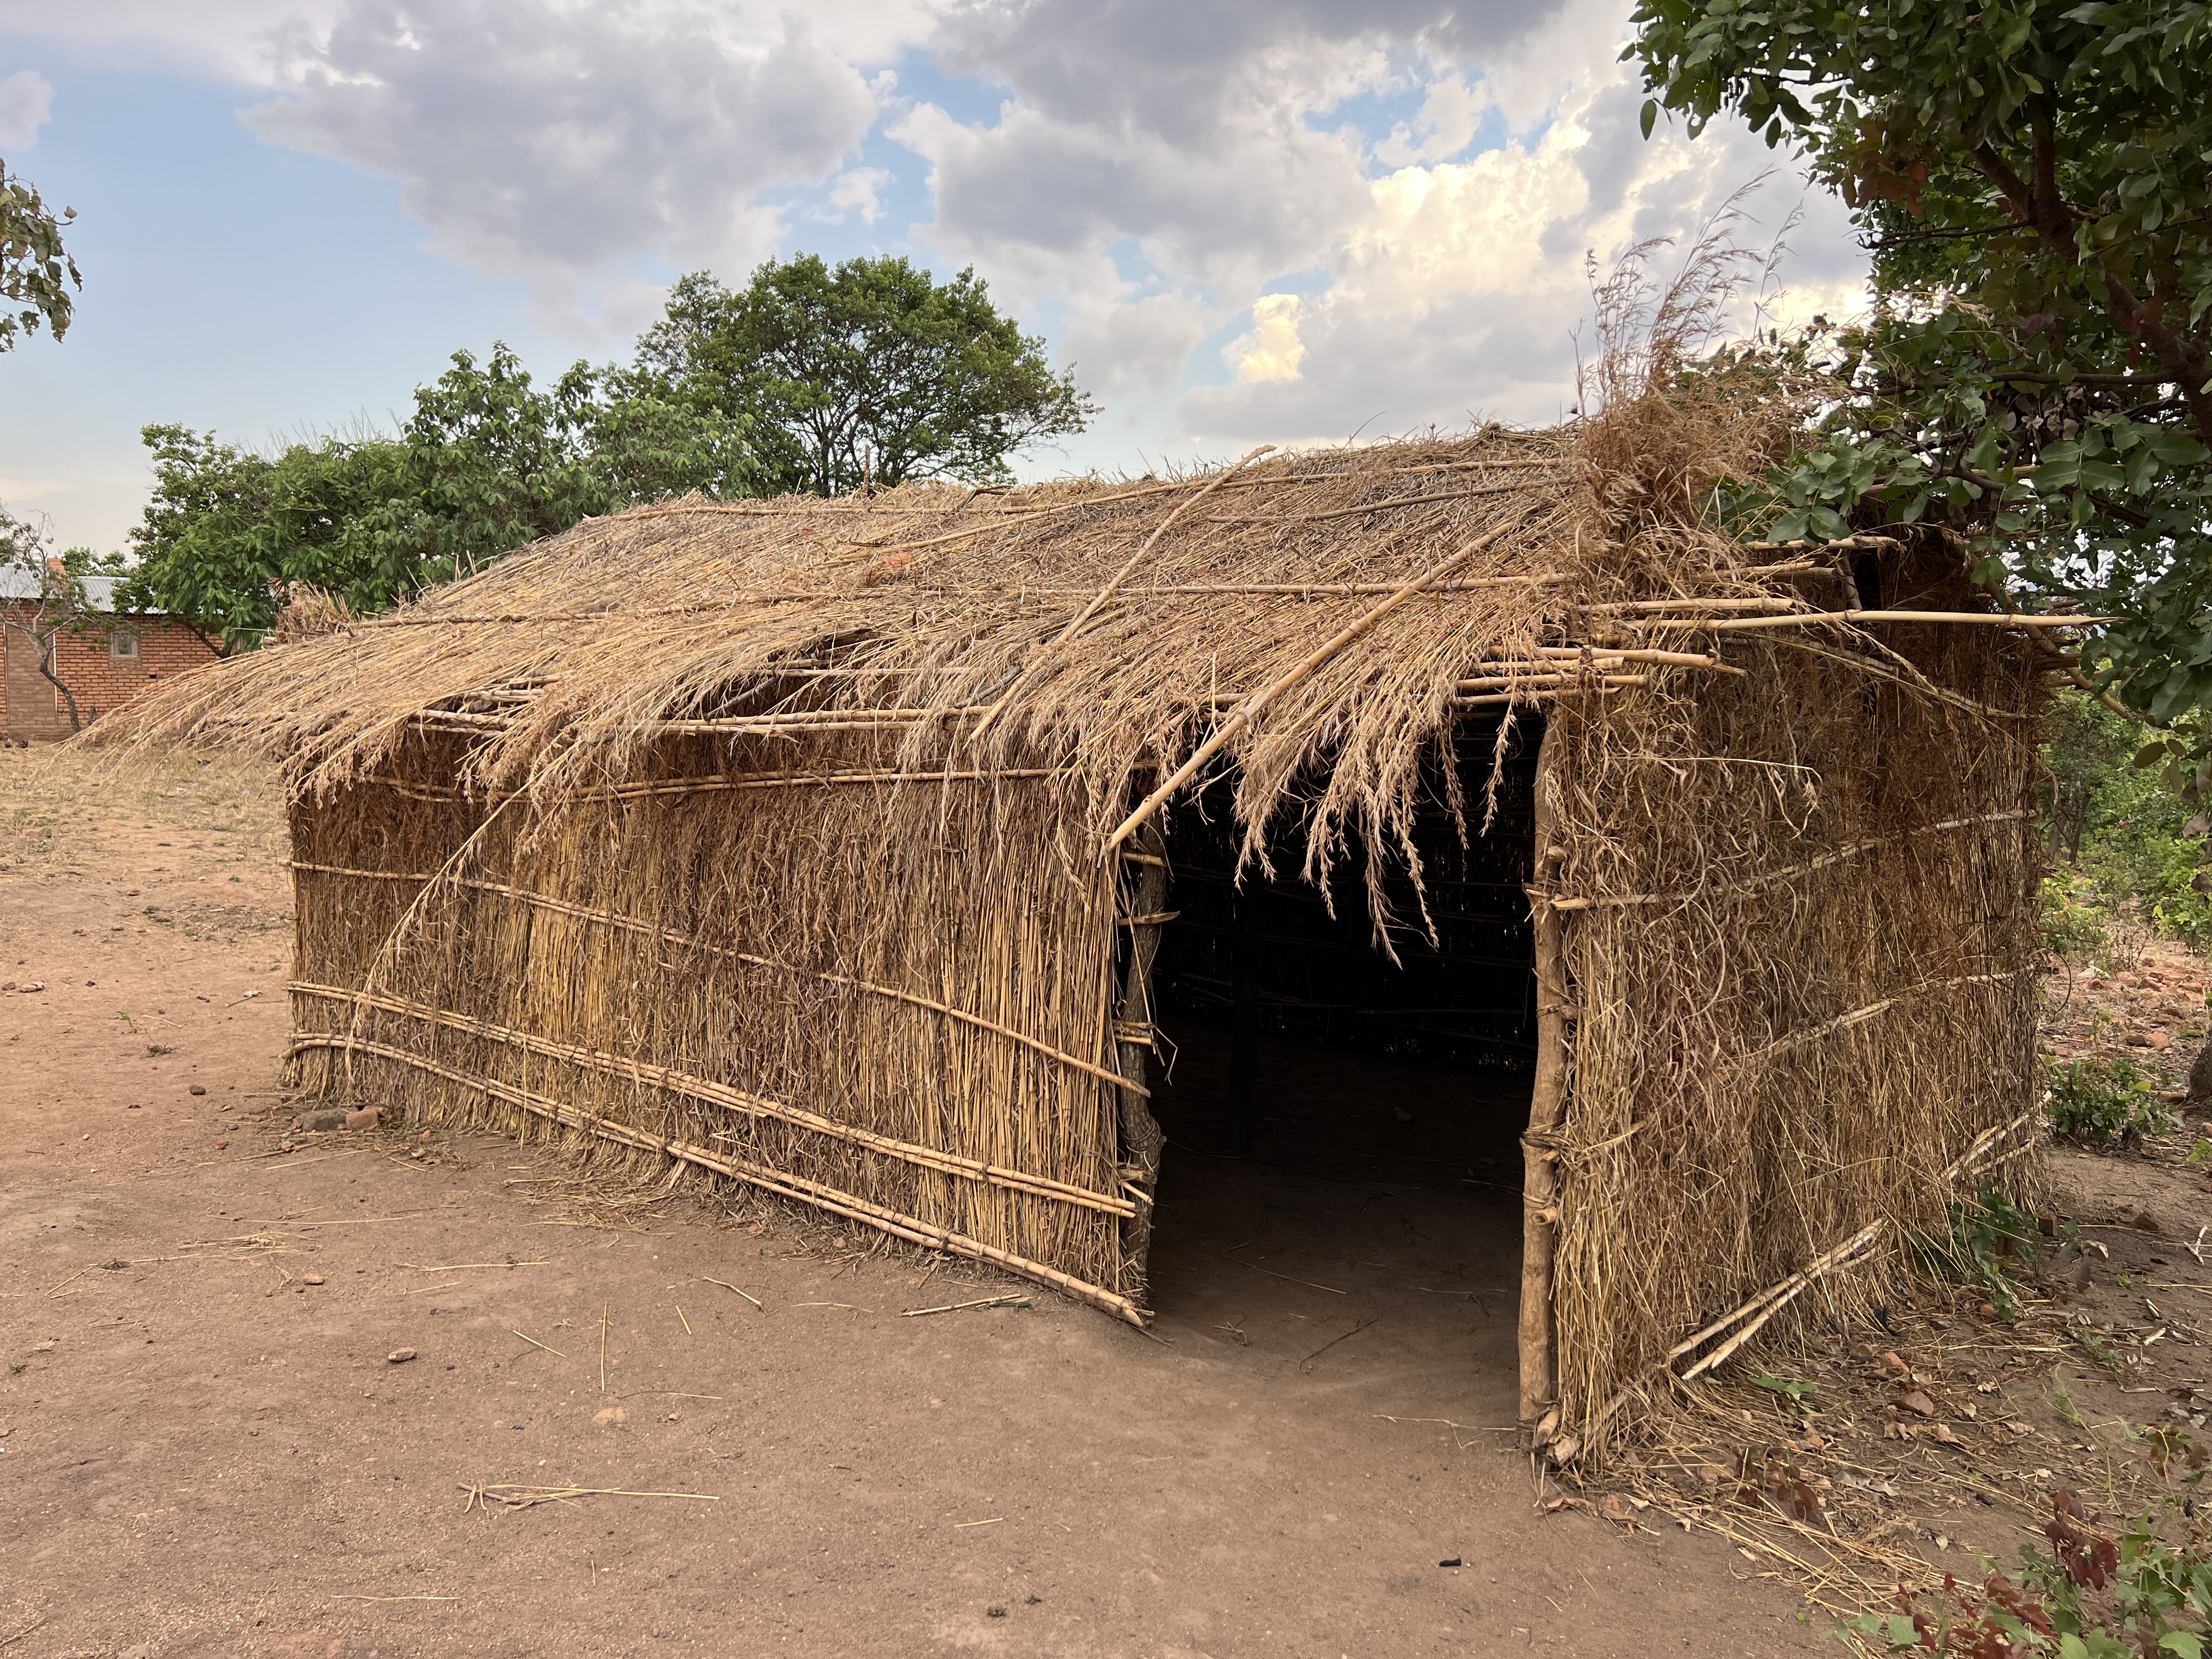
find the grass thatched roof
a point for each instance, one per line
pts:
(1091, 627)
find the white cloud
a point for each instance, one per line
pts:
(1446, 125)
(1122, 343)
(1273, 351)
(227, 39)
(27, 101)
(1457, 292)
(555, 141)
(859, 191)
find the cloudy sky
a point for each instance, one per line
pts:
(1241, 221)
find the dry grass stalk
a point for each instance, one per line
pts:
(523, 1497)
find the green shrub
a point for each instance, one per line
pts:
(2074, 914)
(1991, 1239)
(2113, 820)
(2169, 880)
(2097, 1102)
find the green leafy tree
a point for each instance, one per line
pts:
(47, 598)
(487, 463)
(36, 272)
(494, 464)
(872, 373)
(2034, 179)
(227, 529)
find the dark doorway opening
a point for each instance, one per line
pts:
(1343, 1131)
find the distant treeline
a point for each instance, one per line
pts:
(810, 379)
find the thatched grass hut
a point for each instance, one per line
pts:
(826, 846)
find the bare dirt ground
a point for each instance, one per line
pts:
(205, 1446)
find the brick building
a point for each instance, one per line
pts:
(108, 662)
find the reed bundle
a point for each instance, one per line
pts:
(819, 846)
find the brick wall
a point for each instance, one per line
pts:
(101, 680)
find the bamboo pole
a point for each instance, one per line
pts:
(1243, 715)
(960, 590)
(1850, 849)
(1548, 678)
(708, 1092)
(1771, 1301)
(707, 786)
(691, 942)
(806, 722)
(1547, 1110)
(1809, 618)
(1370, 507)
(1332, 590)
(1686, 603)
(1141, 1138)
(1614, 654)
(795, 723)
(1540, 693)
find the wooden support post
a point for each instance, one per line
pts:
(1547, 1106)
(1141, 1138)
(1244, 1048)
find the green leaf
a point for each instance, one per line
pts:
(1795, 1390)
(1650, 114)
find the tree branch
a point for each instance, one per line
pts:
(2050, 210)
(2187, 361)
(2015, 188)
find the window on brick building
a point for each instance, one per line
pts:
(123, 643)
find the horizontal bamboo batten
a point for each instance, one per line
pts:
(1907, 676)
(1536, 695)
(1367, 508)
(1690, 603)
(1859, 1015)
(708, 1092)
(1788, 871)
(814, 1192)
(970, 590)
(1552, 680)
(631, 924)
(1607, 654)
(708, 786)
(1859, 618)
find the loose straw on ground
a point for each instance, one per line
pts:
(960, 1307)
(523, 1497)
